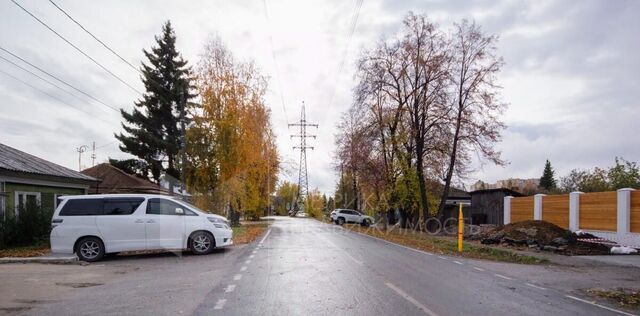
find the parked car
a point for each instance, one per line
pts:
(94, 225)
(341, 216)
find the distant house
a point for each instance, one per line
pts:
(109, 179)
(487, 206)
(24, 177)
(524, 186)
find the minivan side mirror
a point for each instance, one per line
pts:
(179, 211)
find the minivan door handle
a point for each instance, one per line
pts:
(139, 221)
(151, 221)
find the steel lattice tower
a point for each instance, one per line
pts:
(303, 178)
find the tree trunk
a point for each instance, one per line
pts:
(452, 163)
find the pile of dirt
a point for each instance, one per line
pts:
(540, 235)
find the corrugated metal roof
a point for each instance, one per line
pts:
(19, 161)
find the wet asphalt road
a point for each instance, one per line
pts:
(303, 267)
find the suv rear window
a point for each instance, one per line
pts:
(79, 207)
(121, 206)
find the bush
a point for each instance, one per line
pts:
(31, 227)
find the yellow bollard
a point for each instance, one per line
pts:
(460, 228)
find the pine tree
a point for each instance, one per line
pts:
(154, 127)
(547, 181)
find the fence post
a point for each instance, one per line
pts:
(537, 206)
(574, 211)
(624, 210)
(507, 209)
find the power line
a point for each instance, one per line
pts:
(94, 37)
(275, 61)
(76, 47)
(43, 79)
(354, 23)
(58, 79)
(52, 96)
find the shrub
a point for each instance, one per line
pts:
(31, 227)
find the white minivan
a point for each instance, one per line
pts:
(94, 225)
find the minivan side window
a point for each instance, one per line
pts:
(121, 206)
(82, 207)
(165, 207)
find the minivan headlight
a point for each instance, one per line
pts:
(219, 222)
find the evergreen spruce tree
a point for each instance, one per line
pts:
(154, 127)
(547, 181)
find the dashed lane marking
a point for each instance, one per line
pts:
(457, 262)
(237, 277)
(265, 236)
(230, 288)
(443, 258)
(243, 268)
(220, 304)
(535, 286)
(247, 262)
(479, 269)
(598, 305)
(502, 276)
(412, 300)
(251, 256)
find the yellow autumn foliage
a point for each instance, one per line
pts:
(233, 158)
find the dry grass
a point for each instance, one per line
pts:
(628, 298)
(23, 252)
(248, 232)
(422, 241)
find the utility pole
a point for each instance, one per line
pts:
(93, 154)
(81, 150)
(183, 174)
(303, 179)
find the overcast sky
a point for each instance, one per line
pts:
(572, 73)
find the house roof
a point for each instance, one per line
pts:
(114, 180)
(18, 161)
(505, 190)
(454, 193)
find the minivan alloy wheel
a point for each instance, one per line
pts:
(90, 249)
(202, 243)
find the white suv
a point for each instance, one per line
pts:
(94, 225)
(341, 216)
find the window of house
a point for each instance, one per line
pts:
(3, 200)
(25, 198)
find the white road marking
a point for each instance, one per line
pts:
(479, 269)
(502, 276)
(598, 305)
(230, 288)
(251, 256)
(457, 262)
(220, 303)
(247, 262)
(237, 277)
(255, 251)
(412, 300)
(265, 236)
(535, 286)
(243, 268)
(443, 258)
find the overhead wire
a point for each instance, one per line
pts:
(58, 79)
(275, 61)
(76, 48)
(52, 96)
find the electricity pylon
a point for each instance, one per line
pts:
(303, 178)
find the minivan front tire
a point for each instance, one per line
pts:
(90, 249)
(201, 243)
